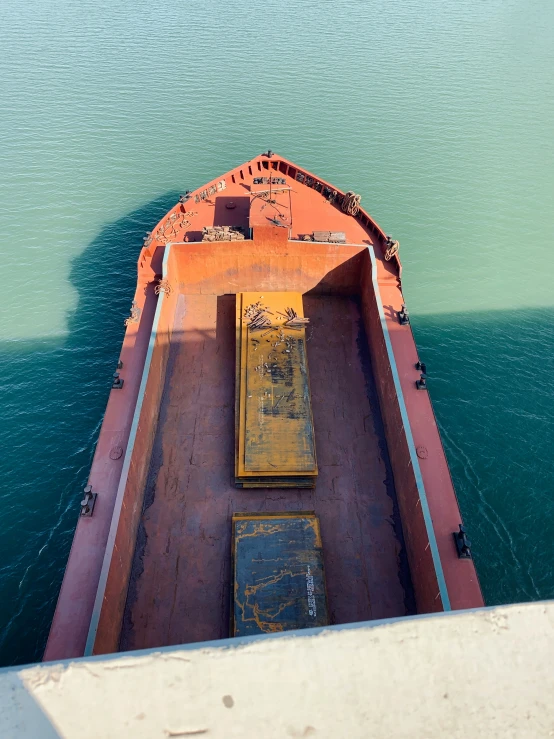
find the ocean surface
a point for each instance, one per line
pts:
(440, 113)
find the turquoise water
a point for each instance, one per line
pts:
(440, 113)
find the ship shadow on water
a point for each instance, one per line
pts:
(54, 393)
(490, 378)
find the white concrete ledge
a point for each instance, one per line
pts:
(485, 673)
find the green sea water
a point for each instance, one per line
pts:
(440, 113)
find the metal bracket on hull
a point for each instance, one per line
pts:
(421, 384)
(403, 316)
(117, 382)
(463, 544)
(88, 502)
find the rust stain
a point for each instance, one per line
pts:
(264, 594)
(270, 580)
(258, 530)
(313, 523)
(274, 419)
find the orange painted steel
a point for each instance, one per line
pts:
(275, 258)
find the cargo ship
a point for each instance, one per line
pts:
(269, 459)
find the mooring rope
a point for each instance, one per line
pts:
(392, 248)
(351, 203)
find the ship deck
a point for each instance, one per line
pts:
(178, 567)
(180, 588)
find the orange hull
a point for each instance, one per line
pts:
(163, 463)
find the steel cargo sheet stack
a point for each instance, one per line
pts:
(279, 581)
(274, 445)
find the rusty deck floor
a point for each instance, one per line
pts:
(181, 579)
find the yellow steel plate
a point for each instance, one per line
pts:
(275, 426)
